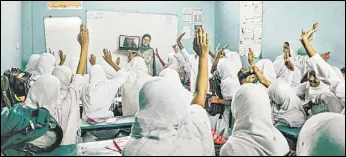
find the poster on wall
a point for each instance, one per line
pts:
(64, 4)
(197, 15)
(187, 15)
(251, 13)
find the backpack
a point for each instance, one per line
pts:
(7, 96)
(214, 108)
(20, 125)
(18, 81)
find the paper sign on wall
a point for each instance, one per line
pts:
(187, 14)
(197, 15)
(64, 4)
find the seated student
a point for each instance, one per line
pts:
(267, 68)
(70, 89)
(235, 57)
(45, 66)
(98, 95)
(188, 133)
(322, 135)
(286, 66)
(287, 108)
(31, 66)
(323, 70)
(254, 133)
(136, 75)
(45, 93)
(183, 60)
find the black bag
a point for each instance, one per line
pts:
(18, 81)
(214, 108)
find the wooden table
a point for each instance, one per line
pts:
(121, 122)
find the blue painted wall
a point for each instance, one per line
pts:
(283, 20)
(10, 34)
(34, 13)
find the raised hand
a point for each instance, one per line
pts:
(51, 52)
(202, 41)
(251, 57)
(180, 37)
(83, 36)
(92, 59)
(326, 56)
(307, 36)
(107, 56)
(62, 57)
(117, 62)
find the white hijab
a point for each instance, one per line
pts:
(164, 126)
(338, 72)
(322, 135)
(267, 68)
(45, 64)
(173, 76)
(97, 97)
(138, 75)
(32, 64)
(327, 102)
(235, 57)
(228, 71)
(68, 101)
(73, 64)
(253, 132)
(194, 64)
(287, 107)
(173, 62)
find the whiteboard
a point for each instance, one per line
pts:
(61, 34)
(105, 27)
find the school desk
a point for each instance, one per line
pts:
(121, 122)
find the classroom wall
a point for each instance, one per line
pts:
(10, 34)
(34, 13)
(283, 21)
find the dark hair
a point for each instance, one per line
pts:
(243, 75)
(146, 35)
(307, 75)
(343, 70)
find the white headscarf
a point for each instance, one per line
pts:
(97, 97)
(322, 135)
(253, 132)
(73, 64)
(235, 57)
(32, 64)
(45, 64)
(293, 52)
(68, 101)
(165, 126)
(267, 67)
(173, 76)
(194, 64)
(138, 75)
(229, 80)
(173, 62)
(287, 107)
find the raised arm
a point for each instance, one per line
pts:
(159, 57)
(305, 39)
(107, 56)
(180, 45)
(253, 68)
(83, 39)
(218, 56)
(62, 57)
(202, 42)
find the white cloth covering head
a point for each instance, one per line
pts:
(64, 74)
(322, 135)
(171, 75)
(138, 75)
(96, 96)
(235, 57)
(228, 71)
(73, 64)
(287, 106)
(32, 64)
(163, 125)
(267, 68)
(173, 62)
(254, 133)
(313, 92)
(45, 64)
(293, 51)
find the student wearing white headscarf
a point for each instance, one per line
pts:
(287, 108)
(235, 57)
(322, 135)
(267, 68)
(73, 64)
(167, 126)
(31, 66)
(254, 133)
(98, 95)
(194, 64)
(137, 76)
(338, 72)
(46, 64)
(70, 89)
(45, 93)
